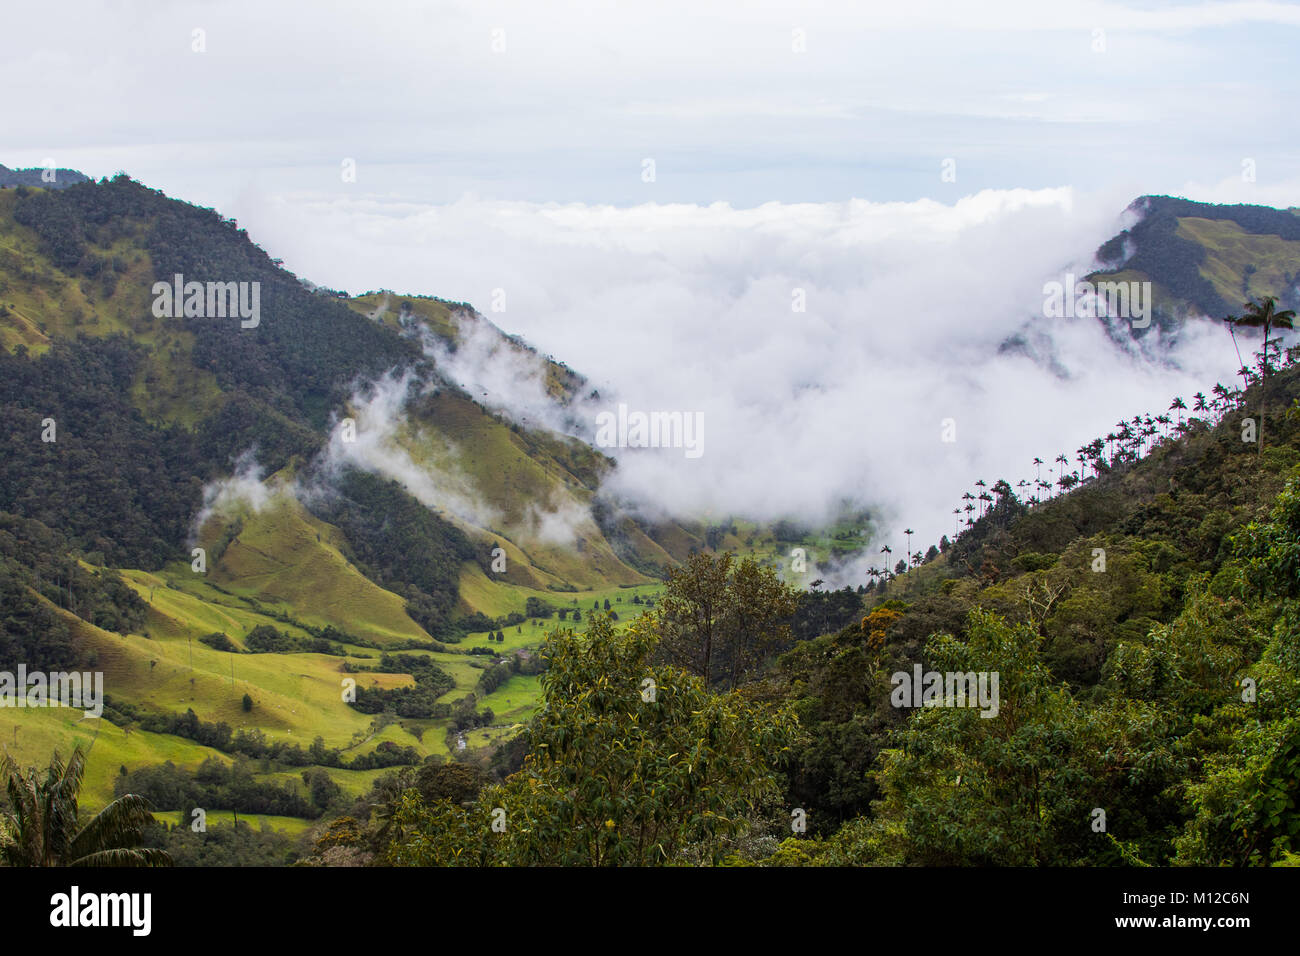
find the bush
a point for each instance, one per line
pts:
(219, 642)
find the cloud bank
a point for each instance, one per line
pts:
(824, 344)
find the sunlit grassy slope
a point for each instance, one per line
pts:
(285, 557)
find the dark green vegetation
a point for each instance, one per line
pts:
(53, 178)
(1206, 258)
(1155, 682)
(41, 825)
(400, 543)
(1143, 625)
(1141, 621)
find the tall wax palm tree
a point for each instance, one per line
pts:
(1199, 404)
(1264, 315)
(1179, 406)
(1231, 322)
(44, 827)
(886, 550)
(909, 532)
(956, 524)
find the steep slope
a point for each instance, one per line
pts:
(1205, 259)
(80, 265)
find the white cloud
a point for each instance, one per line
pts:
(372, 441)
(244, 489)
(689, 308)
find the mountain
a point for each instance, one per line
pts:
(1143, 628)
(133, 438)
(234, 514)
(40, 177)
(1205, 259)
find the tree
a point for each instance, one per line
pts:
(1179, 406)
(247, 703)
(962, 788)
(1264, 315)
(612, 777)
(720, 619)
(42, 820)
(458, 783)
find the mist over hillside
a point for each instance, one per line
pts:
(823, 345)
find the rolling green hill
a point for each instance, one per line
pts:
(1205, 259)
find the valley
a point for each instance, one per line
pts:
(363, 553)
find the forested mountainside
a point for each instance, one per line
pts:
(1206, 259)
(174, 402)
(43, 178)
(374, 649)
(1143, 623)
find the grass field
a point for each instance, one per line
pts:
(296, 697)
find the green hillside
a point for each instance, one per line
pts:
(1205, 259)
(326, 570)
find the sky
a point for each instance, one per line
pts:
(641, 190)
(740, 103)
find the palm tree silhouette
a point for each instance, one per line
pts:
(1263, 314)
(42, 820)
(1179, 406)
(886, 550)
(1231, 322)
(909, 532)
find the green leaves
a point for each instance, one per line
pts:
(613, 779)
(41, 824)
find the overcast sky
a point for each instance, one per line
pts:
(503, 147)
(568, 99)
